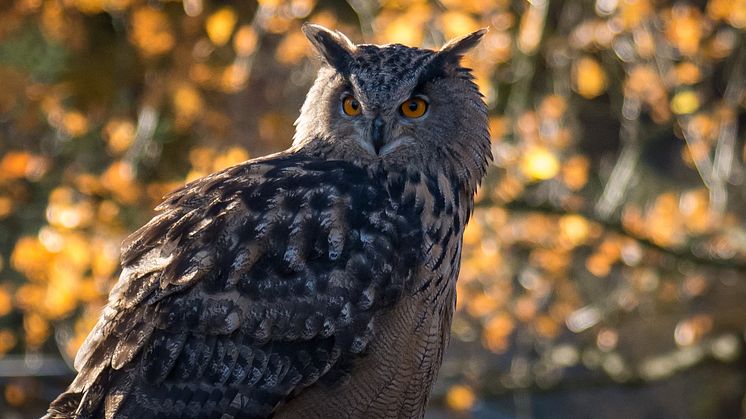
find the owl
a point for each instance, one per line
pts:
(318, 282)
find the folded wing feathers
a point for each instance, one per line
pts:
(191, 290)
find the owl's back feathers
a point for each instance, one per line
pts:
(249, 286)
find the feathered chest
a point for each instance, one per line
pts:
(442, 208)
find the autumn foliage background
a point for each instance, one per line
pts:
(604, 273)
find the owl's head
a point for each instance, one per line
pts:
(397, 105)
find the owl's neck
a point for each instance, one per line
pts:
(463, 170)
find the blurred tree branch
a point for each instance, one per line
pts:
(522, 205)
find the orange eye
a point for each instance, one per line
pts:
(414, 107)
(351, 106)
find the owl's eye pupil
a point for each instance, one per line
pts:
(413, 106)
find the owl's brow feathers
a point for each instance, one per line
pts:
(348, 58)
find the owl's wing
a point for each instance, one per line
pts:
(249, 286)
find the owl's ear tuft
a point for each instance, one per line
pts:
(447, 60)
(454, 49)
(335, 48)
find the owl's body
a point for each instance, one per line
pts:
(316, 282)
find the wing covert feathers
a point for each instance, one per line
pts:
(249, 285)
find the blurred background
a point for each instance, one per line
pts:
(605, 268)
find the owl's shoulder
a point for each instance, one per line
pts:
(287, 226)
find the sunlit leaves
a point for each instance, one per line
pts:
(732, 11)
(457, 24)
(684, 102)
(539, 163)
(684, 28)
(119, 180)
(119, 134)
(20, 164)
(460, 397)
(151, 32)
(634, 12)
(36, 329)
(532, 27)
(196, 87)
(404, 26)
(6, 302)
(574, 229)
(206, 160)
(245, 40)
(645, 84)
(188, 104)
(589, 78)
(30, 257)
(8, 340)
(219, 25)
(575, 172)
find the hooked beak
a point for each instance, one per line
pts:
(377, 133)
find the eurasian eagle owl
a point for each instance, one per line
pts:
(318, 282)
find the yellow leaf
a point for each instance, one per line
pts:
(532, 27)
(546, 327)
(402, 30)
(15, 394)
(7, 341)
(496, 332)
(76, 253)
(574, 229)
(270, 3)
(233, 156)
(598, 265)
(575, 172)
(589, 78)
(61, 297)
(472, 233)
(719, 9)
(553, 107)
(245, 40)
(6, 302)
(187, 104)
(90, 7)
(457, 24)
(31, 258)
(119, 179)
(234, 78)
(219, 25)
(292, 48)
(684, 102)
(539, 163)
(684, 28)
(460, 397)
(481, 305)
(687, 73)
(634, 12)
(36, 328)
(18, 164)
(524, 308)
(151, 32)
(119, 133)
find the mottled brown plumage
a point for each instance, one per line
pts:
(316, 282)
